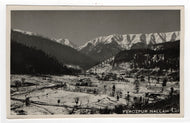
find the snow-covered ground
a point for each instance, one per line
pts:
(48, 98)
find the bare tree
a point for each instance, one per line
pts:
(22, 81)
(17, 84)
(76, 100)
(113, 90)
(58, 101)
(127, 98)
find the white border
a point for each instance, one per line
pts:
(95, 2)
(47, 7)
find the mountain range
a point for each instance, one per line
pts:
(127, 40)
(63, 54)
(93, 51)
(105, 47)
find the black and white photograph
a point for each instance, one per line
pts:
(75, 62)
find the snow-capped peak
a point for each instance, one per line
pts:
(101, 39)
(24, 32)
(65, 42)
(61, 40)
(127, 40)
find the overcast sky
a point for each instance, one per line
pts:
(81, 26)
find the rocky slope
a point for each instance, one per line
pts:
(104, 47)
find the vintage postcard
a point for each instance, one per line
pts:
(84, 61)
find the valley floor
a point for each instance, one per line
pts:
(51, 95)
